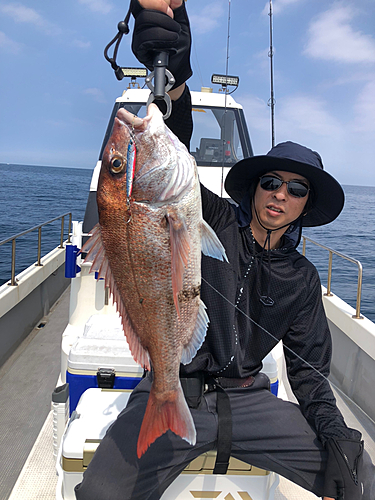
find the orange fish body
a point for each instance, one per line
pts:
(148, 249)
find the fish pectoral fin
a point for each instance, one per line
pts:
(100, 264)
(199, 334)
(180, 248)
(164, 414)
(211, 245)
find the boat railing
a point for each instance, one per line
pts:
(13, 239)
(329, 279)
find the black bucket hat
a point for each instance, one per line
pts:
(328, 196)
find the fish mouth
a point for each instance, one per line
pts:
(133, 121)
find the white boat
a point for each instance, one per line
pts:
(77, 336)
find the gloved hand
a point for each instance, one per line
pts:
(155, 31)
(343, 479)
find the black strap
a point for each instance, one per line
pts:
(193, 389)
(224, 435)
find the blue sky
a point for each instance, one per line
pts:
(57, 90)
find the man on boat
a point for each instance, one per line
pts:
(277, 294)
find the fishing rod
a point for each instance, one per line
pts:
(271, 101)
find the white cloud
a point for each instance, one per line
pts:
(101, 6)
(332, 38)
(21, 14)
(364, 109)
(348, 78)
(256, 112)
(308, 114)
(279, 5)
(81, 44)
(303, 118)
(8, 45)
(96, 94)
(208, 18)
(257, 115)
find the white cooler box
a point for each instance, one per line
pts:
(98, 408)
(96, 411)
(101, 358)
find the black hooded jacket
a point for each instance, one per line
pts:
(242, 330)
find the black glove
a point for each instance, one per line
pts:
(155, 31)
(343, 479)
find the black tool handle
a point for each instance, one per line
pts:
(163, 82)
(160, 65)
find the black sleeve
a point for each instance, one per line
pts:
(309, 339)
(181, 119)
(217, 212)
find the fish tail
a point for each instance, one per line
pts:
(162, 414)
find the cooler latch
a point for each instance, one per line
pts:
(105, 378)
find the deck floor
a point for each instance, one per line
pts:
(26, 384)
(27, 381)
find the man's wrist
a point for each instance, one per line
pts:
(176, 93)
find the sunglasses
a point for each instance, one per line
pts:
(295, 188)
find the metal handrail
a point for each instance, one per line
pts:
(329, 280)
(39, 228)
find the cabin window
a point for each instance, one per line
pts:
(215, 140)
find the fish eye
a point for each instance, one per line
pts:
(117, 164)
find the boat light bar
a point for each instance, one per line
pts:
(225, 80)
(134, 72)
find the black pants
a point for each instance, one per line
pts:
(267, 432)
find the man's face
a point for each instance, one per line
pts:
(277, 208)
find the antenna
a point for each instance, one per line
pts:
(271, 101)
(226, 94)
(227, 62)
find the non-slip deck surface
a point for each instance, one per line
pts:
(26, 383)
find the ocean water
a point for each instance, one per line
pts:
(352, 234)
(30, 195)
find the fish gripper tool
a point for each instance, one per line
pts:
(163, 82)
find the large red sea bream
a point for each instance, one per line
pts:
(147, 245)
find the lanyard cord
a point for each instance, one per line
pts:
(266, 299)
(123, 29)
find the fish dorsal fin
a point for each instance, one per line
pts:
(100, 264)
(198, 336)
(211, 245)
(180, 248)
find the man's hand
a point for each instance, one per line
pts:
(328, 498)
(163, 26)
(166, 6)
(343, 474)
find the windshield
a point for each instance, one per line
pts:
(215, 141)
